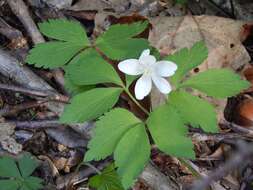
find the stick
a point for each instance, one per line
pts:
(25, 90)
(21, 11)
(11, 68)
(216, 137)
(35, 124)
(156, 180)
(50, 95)
(238, 128)
(10, 110)
(8, 31)
(242, 157)
(77, 177)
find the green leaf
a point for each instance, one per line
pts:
(182, 2)
(122, 31)
(9, 184)
(8, 167)
(191, 108)
(90, 68)
(90, 104)
(74, 88)
(117, 42)
(33, 183)
(169, 133)
(107, 180)
(130, 79)
(108, 132)
(72, 38)
(64, 30)
(27, 165)
(155, 52)
(132, 154)
(24, 187)
(187, 59)
(123, 48)
(52, 54)
(219, 83)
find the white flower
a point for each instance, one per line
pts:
(151, 70)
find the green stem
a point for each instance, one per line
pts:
(135, 101)
(93, 167)
(193, 171)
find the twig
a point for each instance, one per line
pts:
(135, 101)
(243, 156)
(8, 31)
(50, 95)
(204, 174)
(11, 68)
(9, 110)
(232, 8)
(185, 162)
(216, 137)
(21, 11)
(212, 4)
(156, 180)
(238, 128)
(25, 90)
(64, 181)
(35, 124)
(41, 124)
(93, 167)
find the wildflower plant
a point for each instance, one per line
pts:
(15, 175)
(97, 85)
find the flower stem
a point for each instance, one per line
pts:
(192, 170)
(93, 167)
(135, 101)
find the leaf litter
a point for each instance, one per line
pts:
(169, 34)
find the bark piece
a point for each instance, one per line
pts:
(156, 180)
(13, 69)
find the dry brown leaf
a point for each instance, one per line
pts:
(222, 36)
(243, 114)
(144, 7)
(100, 5)
(7, 142)
(66, 163)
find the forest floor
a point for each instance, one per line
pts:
(32, 99)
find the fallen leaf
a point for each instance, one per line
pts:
(243, 114)
(223, 39)
(60, 4)
(7, 142)
(66, 163)
(248, 74)
(100, 5)
(68, 137)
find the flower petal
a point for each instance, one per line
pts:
(143, 87)
(130, 67)
(165, 68)
(148, 60)
(162, 84)
(145, 53)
